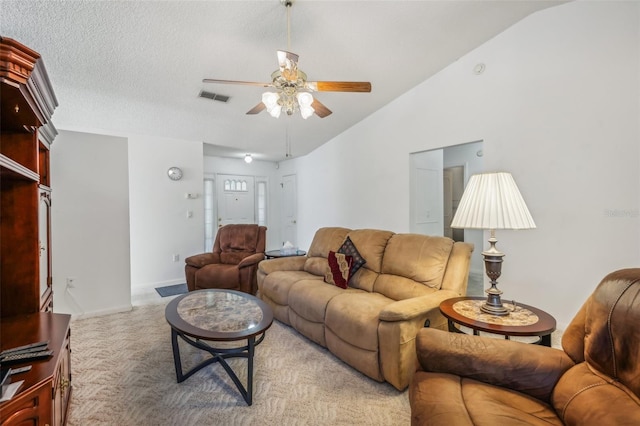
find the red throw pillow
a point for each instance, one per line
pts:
(339, 267)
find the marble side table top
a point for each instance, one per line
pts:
(518, 316)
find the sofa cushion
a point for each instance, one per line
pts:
(325, 240)
(349, 249)
(400, 288)
(420, 258)
(584, 397)
(224, 276)
(310, 301)
(277, 284)
(339, 269)
(353, 317)
(316, 266)
(371, 244)
(440, 399)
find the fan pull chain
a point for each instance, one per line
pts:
(288, 4)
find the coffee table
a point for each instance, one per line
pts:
(216, 315)
(523, 320)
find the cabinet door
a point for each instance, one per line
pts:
(62, 383)
(44, 243)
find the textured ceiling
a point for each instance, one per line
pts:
(136, 67)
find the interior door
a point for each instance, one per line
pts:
(289, 210)
(236, 201)
(447, 192)
(427, 200)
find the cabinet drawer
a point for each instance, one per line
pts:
(30, 408)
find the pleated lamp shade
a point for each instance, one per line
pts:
(492, 201)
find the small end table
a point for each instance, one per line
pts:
(272, 254)
(523, 320)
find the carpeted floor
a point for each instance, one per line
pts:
(123, 374)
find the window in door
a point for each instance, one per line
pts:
(261, 201)
(209, 213)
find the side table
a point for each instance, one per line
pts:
(523, 320)
(273, 254)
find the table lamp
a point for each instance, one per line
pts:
(492, 201)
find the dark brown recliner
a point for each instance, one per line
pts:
(233, 263)
(471, 380)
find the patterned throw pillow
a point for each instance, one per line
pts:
(350, 249)
(339, 266)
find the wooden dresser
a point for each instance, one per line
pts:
(26, 296)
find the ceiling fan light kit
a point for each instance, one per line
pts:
(293, 91)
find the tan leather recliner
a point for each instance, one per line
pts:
(594, 380)
(233, 262)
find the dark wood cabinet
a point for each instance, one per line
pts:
(27, 103)
(44, 396)
(26, 296)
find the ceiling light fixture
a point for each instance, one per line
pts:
(248, 158)
(287, 79)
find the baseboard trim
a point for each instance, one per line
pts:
(116, 310)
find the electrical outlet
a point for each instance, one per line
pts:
(71, 282)
(176, 257)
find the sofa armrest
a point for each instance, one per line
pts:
(291, 263)
(527, 368)
(251, 260)
(200, 260)
(408, 309)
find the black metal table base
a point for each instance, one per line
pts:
(218, 355)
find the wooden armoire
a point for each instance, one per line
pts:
(26, 297)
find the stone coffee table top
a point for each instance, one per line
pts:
(220, 311)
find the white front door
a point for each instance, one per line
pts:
(426, 203)
(236, 200)
(289, 210)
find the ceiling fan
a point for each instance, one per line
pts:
(293, 90)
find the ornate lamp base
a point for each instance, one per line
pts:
(493, 267)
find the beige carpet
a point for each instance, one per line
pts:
(123, 374)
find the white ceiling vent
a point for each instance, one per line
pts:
(214, 96)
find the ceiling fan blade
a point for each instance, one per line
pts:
(338, 86)
(288, 63)
(245, 83)
(320, 110)
(257, 109)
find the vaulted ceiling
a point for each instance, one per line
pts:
(136, 67)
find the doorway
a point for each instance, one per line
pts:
(437, 181)
(289, 225)
(452, 189)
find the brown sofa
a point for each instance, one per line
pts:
(595, 380)
(372, 324)
(233, 262)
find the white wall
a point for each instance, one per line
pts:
(160, 227)
(220, 165)
(90, 223)
(557, 106)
